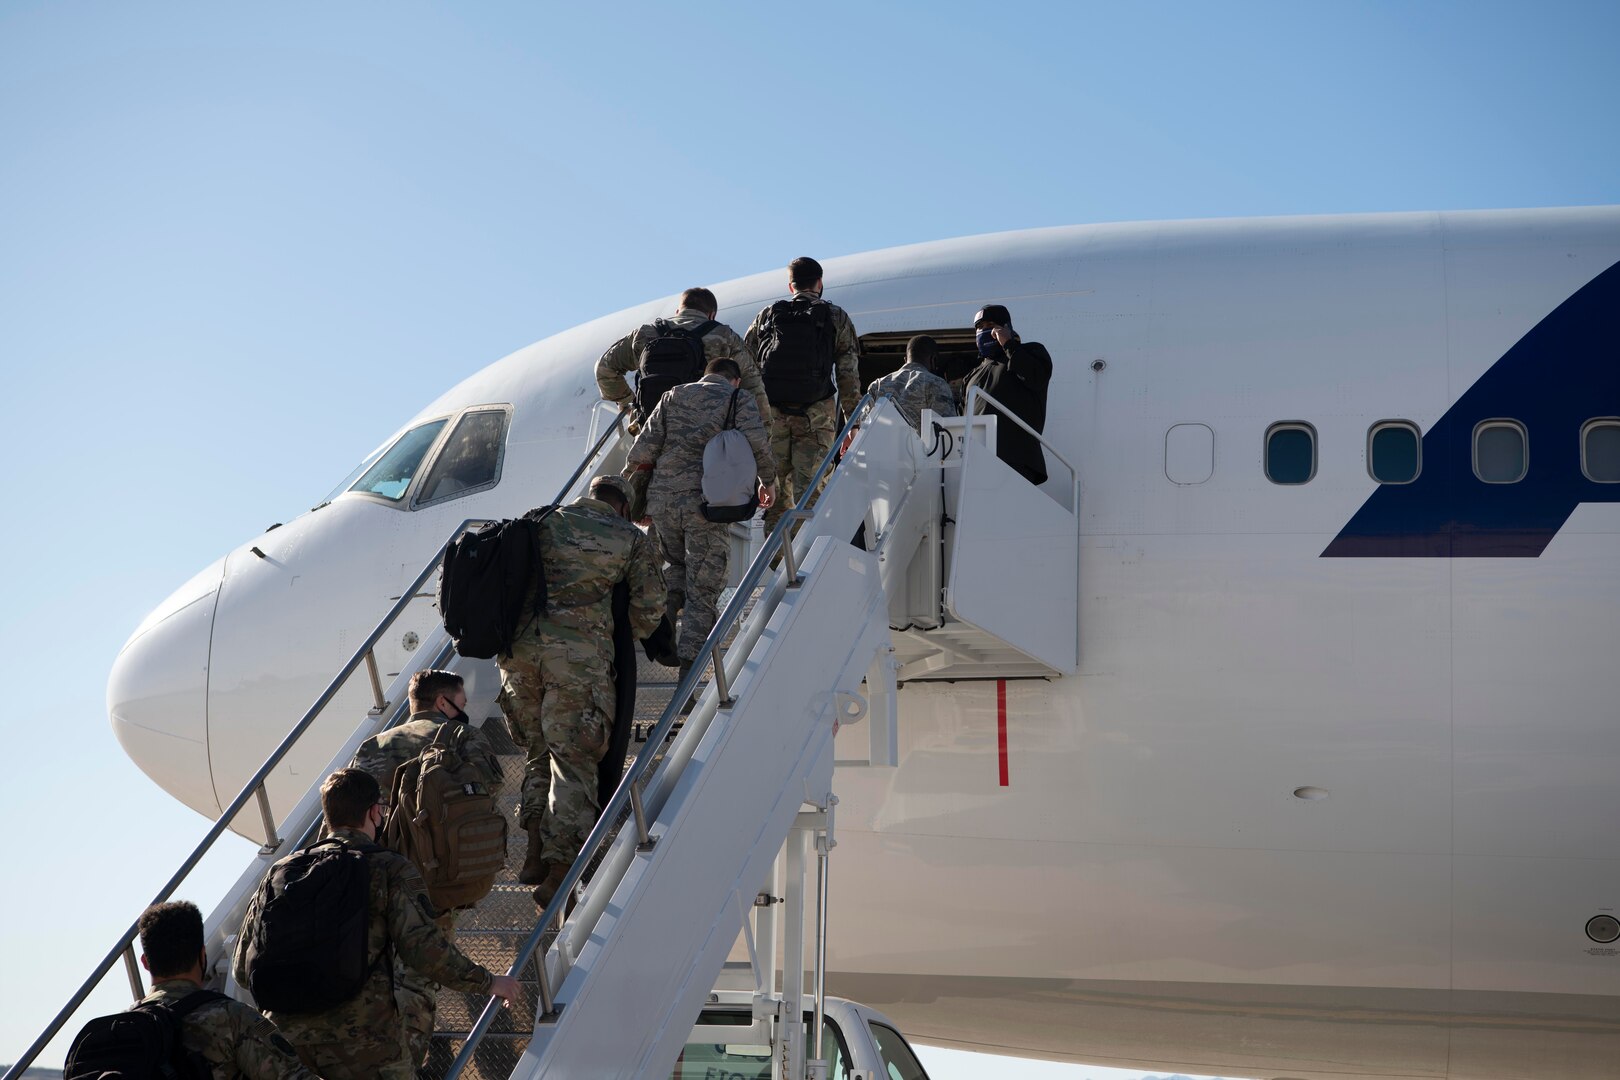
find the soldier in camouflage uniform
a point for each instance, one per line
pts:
(914, 386)
(802, 435)
(697, 306)
(437, 698)
(365, 1036)
(237, 1042)
(557, 686)
(670, 449)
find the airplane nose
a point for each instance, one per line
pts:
(157, 694)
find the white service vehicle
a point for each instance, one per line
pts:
(857, 1043)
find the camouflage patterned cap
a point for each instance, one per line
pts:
(614, 481)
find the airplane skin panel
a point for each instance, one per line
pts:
(1303, 1032)
(157, 691)
(1536, 687)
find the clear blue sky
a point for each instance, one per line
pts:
(239, 244)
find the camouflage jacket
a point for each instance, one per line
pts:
(367, 1029)
(915, 388)
(846, 352)
(587, 548)
(686, 419)
(387, 750)
(232, 1037)
(624, 356)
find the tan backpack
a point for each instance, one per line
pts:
(443, 819)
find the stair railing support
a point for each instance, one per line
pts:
(645, 841)
(724, 700)
(379, 703)
(272, 842)
(133, 970)
(548, 1005)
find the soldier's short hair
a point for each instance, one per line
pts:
(611, 490)
(347, 795)
(803, 272)
(700, 299)
(923, 350)
(171, 937)
(426, 686)
(723, 365)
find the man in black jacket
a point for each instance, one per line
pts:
(1016, 374)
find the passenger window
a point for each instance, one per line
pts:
(1501, 451)
(392, 474)
(1600, 451)
(1394, 452)
(898, 1060)
(1290, 453)
(471, 457)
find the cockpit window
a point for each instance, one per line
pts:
(354, 474)
(392, 473)
(471, 458)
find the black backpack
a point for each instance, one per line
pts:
(141, 1044)
(674, 357)
(307, 951)
(483, 581)
(796, 344)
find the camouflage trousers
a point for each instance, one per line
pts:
(417, 998)
(558, 699)
(799, 443)
(697, 555)
(362, 1040)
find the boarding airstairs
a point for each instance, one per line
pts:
(921, 559)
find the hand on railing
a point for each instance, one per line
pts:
(504, 987)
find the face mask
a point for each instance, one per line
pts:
(986, 339)
(454, 714)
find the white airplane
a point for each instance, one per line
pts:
(1333, 791)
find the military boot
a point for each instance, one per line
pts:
(548, 884)
(533, 871)
(686, 669)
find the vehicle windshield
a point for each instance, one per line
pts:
(391, 475)
(707, 1060)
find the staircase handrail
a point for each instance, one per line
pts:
(255, 786)
(975, 393)
(634, 782)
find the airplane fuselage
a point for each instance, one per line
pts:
(1333, 791)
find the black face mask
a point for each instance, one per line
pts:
(455, 715)
(986, 341)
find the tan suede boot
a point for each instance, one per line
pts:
(549, 883)
(533, 871)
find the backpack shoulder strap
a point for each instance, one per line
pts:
(194, 1001)
(702, 331)
(449, 735)
(731, 411)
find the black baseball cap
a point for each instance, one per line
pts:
(993, 313)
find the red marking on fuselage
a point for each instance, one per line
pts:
(1001, 726)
